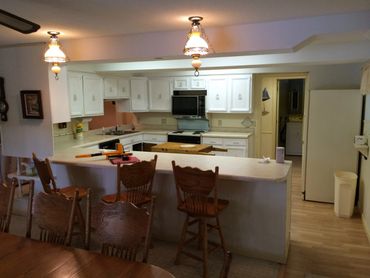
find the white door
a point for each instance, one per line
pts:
(334, 118)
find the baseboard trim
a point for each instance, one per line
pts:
(366, 227)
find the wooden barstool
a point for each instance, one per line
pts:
(49, 185)
(197, 197)
(137, 180)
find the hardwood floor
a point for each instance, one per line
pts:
(323, 245)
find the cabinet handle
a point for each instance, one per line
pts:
(74, 97)
(217, 97)
(138, 96)
(240, 97)
(93, 98)
(160, 96)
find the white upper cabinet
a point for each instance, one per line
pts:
(116, 88)
(189, 83)
(76, 95)
(217, 94)
(139, 95)
(181, 83)
(123, 88)
(85, 94)
(240, 93)
(160, 94)
(93, 95)
(197, 83)
(230, 94)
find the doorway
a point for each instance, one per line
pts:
(290, 106)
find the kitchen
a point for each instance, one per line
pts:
(335, 72)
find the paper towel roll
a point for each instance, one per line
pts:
(280, 152)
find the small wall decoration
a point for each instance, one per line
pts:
(32, 104)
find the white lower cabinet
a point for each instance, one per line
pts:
(154, 138)
(130, 140)
(236, 147)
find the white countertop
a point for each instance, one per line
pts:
(248, 169)
(227, 134)
(233, 168)
(89, 138)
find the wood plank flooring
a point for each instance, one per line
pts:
(323, 245)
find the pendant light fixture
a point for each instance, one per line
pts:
(196, 44)
(54, 54)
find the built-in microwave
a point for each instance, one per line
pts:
(189, 103)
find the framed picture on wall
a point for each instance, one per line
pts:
(32, 104)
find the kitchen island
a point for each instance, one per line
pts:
(256, 223)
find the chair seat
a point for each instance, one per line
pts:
(211, 209)
(69, 191)
(111, 198)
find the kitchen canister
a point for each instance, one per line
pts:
(280, 153)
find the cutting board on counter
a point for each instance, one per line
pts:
(172, 147)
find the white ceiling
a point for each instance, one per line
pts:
(94, 18)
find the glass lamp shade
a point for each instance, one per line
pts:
(54, 54)
(196, 45)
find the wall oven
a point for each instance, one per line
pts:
(190, 137)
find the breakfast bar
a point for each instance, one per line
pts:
(256, 222)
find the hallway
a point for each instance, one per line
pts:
(321, 244)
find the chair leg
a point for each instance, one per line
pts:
(200, 237)
(205, 247)
(180, 246)
(80, 219)
(221, 234)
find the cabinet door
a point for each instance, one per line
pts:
(180, 83)
(123, 88)
(110, 88)
(76, 99)
(236, 151)
(217, 95)
(160, 95)
(197, 83)
(93, 95)
(139, 95)
(240, 94)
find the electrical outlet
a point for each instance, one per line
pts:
(164, 121)
(219, 123)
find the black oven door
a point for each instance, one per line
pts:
(183, 139)
(109, 145)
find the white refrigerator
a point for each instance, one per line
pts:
(334, 118)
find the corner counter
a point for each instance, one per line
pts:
(256, 223)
